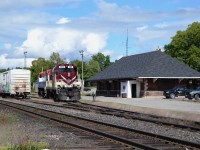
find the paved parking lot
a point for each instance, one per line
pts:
(179, 108)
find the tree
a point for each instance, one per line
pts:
(185, 46)
(89, 68)
(3, 70)
(42, 65)
(104, 61)
(78, 64)
(92, 69)
(37, 66)
(55, 59)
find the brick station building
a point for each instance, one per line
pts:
(147, 74)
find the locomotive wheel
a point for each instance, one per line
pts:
(56, 98)
(47, 95)
(3, 96)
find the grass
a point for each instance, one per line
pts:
(12, 138)
(7, 119)
(26, 146)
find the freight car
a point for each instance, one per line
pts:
(15, 83)
(61, 83)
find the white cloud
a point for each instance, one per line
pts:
(15, 4)
(94, 42)
(41, 42)
(142, 28)
(161, 25)
(3, 60)
(125, 14)
(88, 31)
(108, 52)
(112, 12)
(13, 62)
(63, 21)
(149, 35)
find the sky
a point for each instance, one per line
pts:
(41, 27)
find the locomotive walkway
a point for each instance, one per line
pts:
(180, 107)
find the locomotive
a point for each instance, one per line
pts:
(61, 83)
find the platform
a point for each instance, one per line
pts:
(180, 107)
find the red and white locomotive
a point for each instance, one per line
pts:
(60, 83)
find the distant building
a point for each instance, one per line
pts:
(146, 74)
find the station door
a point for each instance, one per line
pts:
(133, 90)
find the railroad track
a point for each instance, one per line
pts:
(129, 137)
(98, 142)
(176, 123)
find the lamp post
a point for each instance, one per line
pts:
(25, 59)
(82, 86)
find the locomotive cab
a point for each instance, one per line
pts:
(66, 76)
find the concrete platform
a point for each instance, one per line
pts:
(180, 107)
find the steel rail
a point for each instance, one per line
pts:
(37, 112)
(167, 140)
(126, 114)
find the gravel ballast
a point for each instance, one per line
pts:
(17, 128)
(134, 124)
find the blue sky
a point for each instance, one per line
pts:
(41, 27)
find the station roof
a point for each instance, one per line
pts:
(154, 64)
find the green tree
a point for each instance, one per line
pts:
(92, 68)
(55, 59)
(185, 46)
(3, 70)
(104, 61)
(38, 66)
(78, 64)
(89, 68)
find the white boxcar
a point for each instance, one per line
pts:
(15, 82)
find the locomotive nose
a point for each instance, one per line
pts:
(66, 74)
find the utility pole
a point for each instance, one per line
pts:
(25, 59)
(82, 83)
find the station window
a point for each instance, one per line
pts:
(124, 87)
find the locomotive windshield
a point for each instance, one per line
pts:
(63, 70)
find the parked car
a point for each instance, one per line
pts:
(190, 94)
(175, 92)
